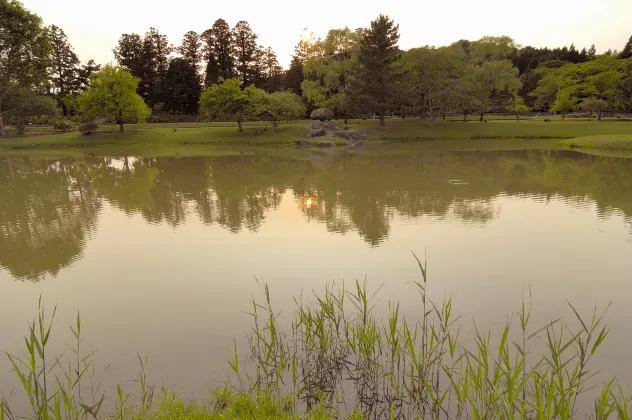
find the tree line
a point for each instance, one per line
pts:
(222, 73)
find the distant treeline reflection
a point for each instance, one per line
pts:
(49, 208)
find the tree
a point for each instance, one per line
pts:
(294, 76)
(272, 72)
(626, 52)
(23, 104)
(64, 66)
(244, 50)
(564, 104)
(624, 87)
(434, 74)
(182, 87)
(227, 101)
(84, 73)
(112, 95)
(594, 105)
(375, 73)
(24, 52)
(191, 49)
(519, 108)
(217, 46)
(277, 106)
(147, 59)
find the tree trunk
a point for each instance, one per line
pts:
(464, 117)
(382, 123)
(276, 126)
(444, 112)
(2, 132)
(121, 128)
(482, 113)
(346, 118)
(240, 129)
(599, 115)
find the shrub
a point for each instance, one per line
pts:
(618, 116)
(63, 125)
(547, 120)
(87, 128)
(322, 114)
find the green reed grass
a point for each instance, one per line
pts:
(337, 360)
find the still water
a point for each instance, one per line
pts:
(161, 255)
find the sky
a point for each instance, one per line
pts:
(95, 30)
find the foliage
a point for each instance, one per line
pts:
(594, 105)
(322, 114)
(519, 108)
(339, 351)
(373, 79)
(146, 58)
(182, 87)
(227, 101)
(217, 51)
(25, 104)
(63, 125)
(24, 52)
(112, 95)
(244, 49)
(87, 128)
(564, 104)
(64, 66)
(277, 106)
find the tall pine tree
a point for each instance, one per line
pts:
(373, 85)
(245, 52)
(217, 44)
(64, 66)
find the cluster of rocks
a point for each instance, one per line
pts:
(322, 128)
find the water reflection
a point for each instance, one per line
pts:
(48, 209)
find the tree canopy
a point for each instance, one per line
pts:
(112, 95)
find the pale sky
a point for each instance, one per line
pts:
(94, 28)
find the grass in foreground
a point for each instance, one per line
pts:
(622, 142)
(338, 361)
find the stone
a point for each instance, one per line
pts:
(326, 144)
(351, 135)
(319, 132)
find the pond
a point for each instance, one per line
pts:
(162, 255)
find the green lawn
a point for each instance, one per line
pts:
(195, 138)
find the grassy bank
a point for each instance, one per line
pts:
(185, 138)
(339, 361)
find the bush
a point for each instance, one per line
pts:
(618, 116)
(322, 114)
(547, 120)
(87, 128)
(63, 125)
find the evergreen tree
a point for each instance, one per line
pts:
(84, 73)
(64, 66)
(245, 52)
(217, 52)
(627, 50)
(147, 59)
(191, 49)
(182, 87)
(375, 73)
(272, 72)
(294, 76)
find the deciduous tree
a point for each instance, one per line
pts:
(112, 95)
(228, 101)
(24, 104)
(277, 106)
(24, 52)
